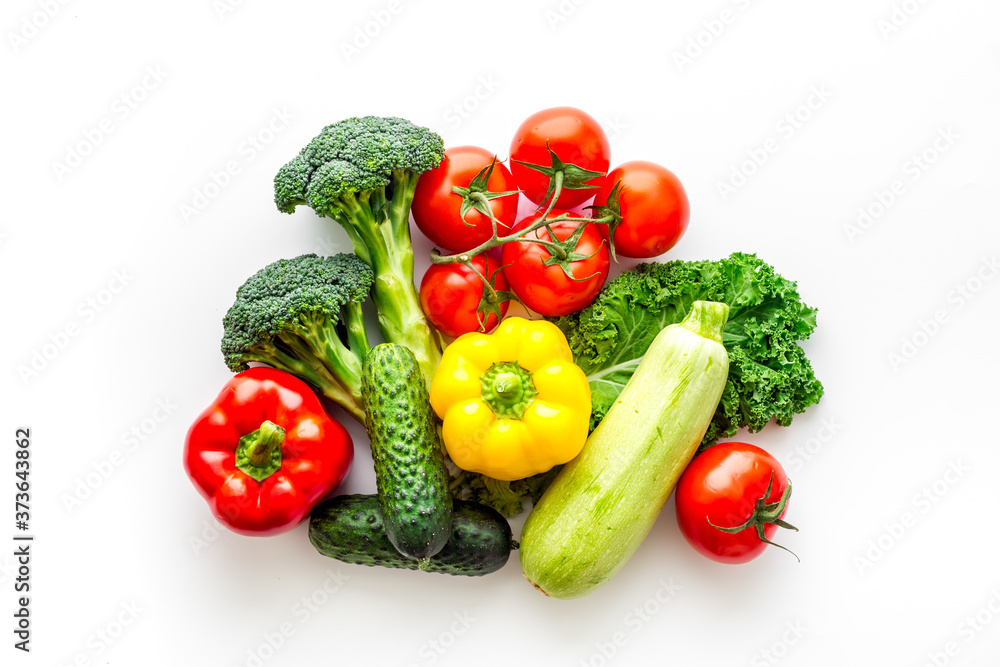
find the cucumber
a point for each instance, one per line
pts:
(410, 472)
(350, 528)
(602, 504)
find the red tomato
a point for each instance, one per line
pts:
(724, 486)
(547, 290)
(576, 138)
(450, 296)
(654, 208)
(437, 210)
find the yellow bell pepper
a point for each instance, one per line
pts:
(513, 402)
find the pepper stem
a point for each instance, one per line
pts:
(507, 385)
(507, 389)
(259, 452)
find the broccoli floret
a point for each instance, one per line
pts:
(362, 172)
(304, 316)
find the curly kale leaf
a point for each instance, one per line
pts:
(770, 377)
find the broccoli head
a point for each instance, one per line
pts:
(362, 173)
(356, 156)
(304, 316)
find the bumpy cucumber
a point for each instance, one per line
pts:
(410, 473)
(350, 529)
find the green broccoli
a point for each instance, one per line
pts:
(362, 173)
(303, 315)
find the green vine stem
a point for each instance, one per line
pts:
(555, 249)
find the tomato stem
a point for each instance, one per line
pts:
(557, 181)
(765, 513)
(561, 252)
(491, 299)
(495, 240)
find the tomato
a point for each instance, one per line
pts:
(450, 295)
(547, 290)
(437, 209)
(576, 138)
(654, 208)
(726, 486)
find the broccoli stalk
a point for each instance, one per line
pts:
(362, 173)
(304, 316)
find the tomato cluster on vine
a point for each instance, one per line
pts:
(556, 259)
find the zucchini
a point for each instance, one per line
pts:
(350, 529)
(410, 472)
(603, 503)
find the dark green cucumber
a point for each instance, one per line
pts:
(350, 529)
(410, 473)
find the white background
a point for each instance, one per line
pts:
(898, 549)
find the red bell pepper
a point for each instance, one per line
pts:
(265, 452)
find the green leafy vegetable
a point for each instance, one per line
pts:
(770, 377)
